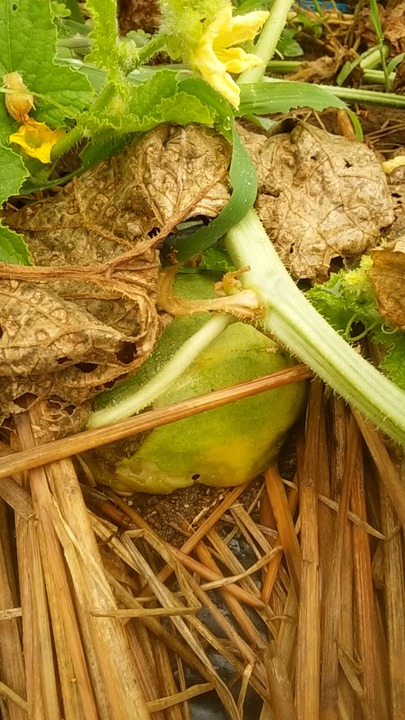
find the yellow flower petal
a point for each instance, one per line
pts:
(242, 28)
(215, 55)
(214, 72)
(236, 60)
(37, 139)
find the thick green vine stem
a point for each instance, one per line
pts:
(292, 320)
(267, 42)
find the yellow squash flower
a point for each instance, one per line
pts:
(37, 139)
(215, 55)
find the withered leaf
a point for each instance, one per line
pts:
(320, 196)
(321, 69)
(392, 18)
(85, 313)
(42, 333)
(387, 275)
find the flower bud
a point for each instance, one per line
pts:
(20, 101)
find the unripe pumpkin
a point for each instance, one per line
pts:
(225, 446)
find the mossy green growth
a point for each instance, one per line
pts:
(226, 446)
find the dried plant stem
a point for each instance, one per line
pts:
(330, 664)
(42, 693)
(383, 462)
(106, 642)
(181, 697)
(394, 587)
(233, 604)
(373, 702)
(308, 639)
(285, 525)
(346, 696)
(273, 567)
(189, 562)
(108, 648)
(279, 685)
(340, 456)
(11, 657)
(78, 696)
(165, 597)
(90, 439)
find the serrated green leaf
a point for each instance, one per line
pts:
(12, 247)
(216, 259)
(13, 173)
(104, 35)
(28, 37)
(149, 96)
(347, 301)
(184, 108)
(157, 100)
(393, 363)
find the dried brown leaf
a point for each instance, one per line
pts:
(321, 69)
(387, 275)
(392, 19)
(320, 196)
(84, 314)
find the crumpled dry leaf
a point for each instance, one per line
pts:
(396, 184)
(392, 20)
(135, 14)
(320, 196)
(321, 69)
(84, 314)
(399, 81)
(387, 275)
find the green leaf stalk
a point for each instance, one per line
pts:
(301, 329)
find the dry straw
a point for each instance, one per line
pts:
(103, 619)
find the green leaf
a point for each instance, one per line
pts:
(13, 173)
(287, 45)
(12, 247)
(104, 36)
(12, 176)
(147, 99)
(216, 259)
(348, 303)
(346, 300)
(266, 98)
(393, 362)
(282, 96)
(184, 108)
(157, 100)
(28, 37)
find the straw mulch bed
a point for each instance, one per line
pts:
(102, 618)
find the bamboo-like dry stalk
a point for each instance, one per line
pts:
(374, 703)
(109, 663)
(11, 657)
(285, 524)
(333, 593)
(394, 587)
(308, 640)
